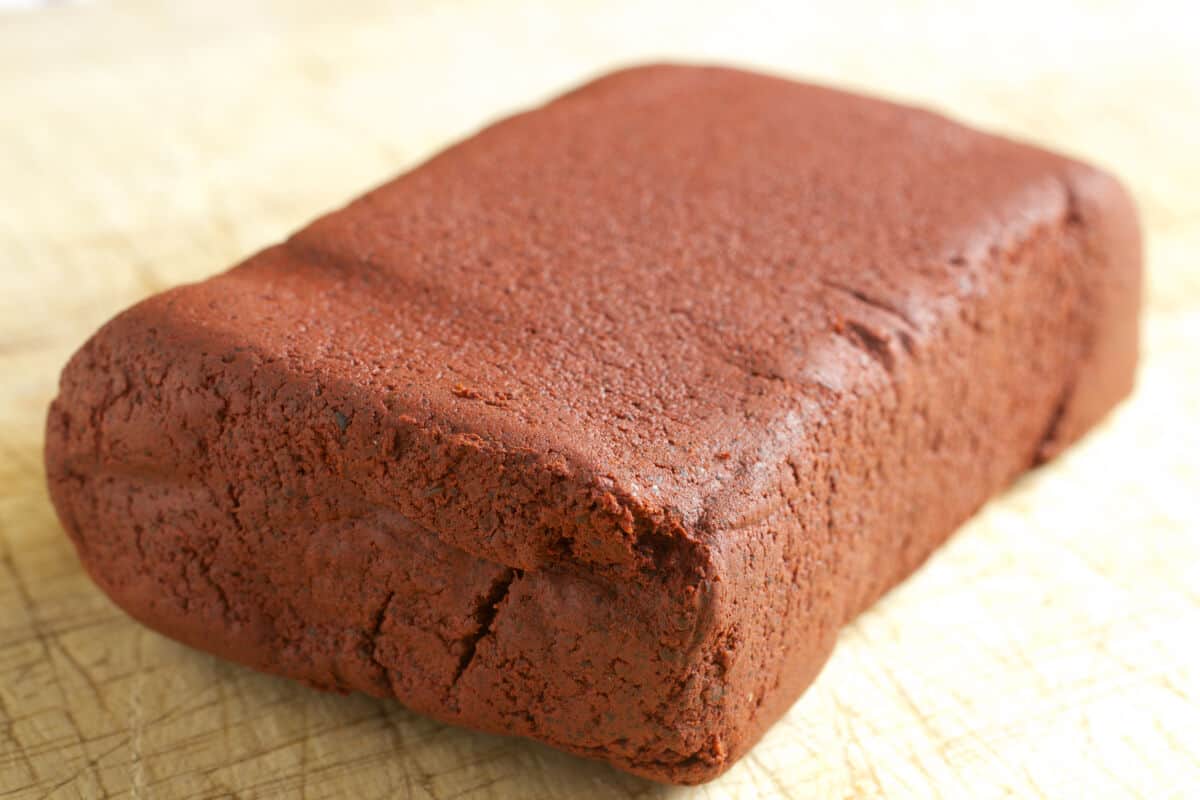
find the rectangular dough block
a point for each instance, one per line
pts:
(598, 426)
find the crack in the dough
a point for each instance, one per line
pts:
(1044, 450)
(371, 635)
(1074, 213)
(874, 302)
(379, 618)
(877, 345)
(872, 343)
(485, 616)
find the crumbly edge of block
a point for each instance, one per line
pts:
(111, 397)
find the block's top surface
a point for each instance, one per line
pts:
(650, 278)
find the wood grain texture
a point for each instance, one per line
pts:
(1046, 652)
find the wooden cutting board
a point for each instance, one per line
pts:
(1048, 651)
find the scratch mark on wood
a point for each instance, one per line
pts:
(89, 766)
(779, 788)
(304, 754)
(137, 770)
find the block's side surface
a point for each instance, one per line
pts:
(302, 527)
(883, 467)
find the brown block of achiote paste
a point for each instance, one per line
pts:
(598, 426)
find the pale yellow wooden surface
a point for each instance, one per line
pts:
(1048, 651)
